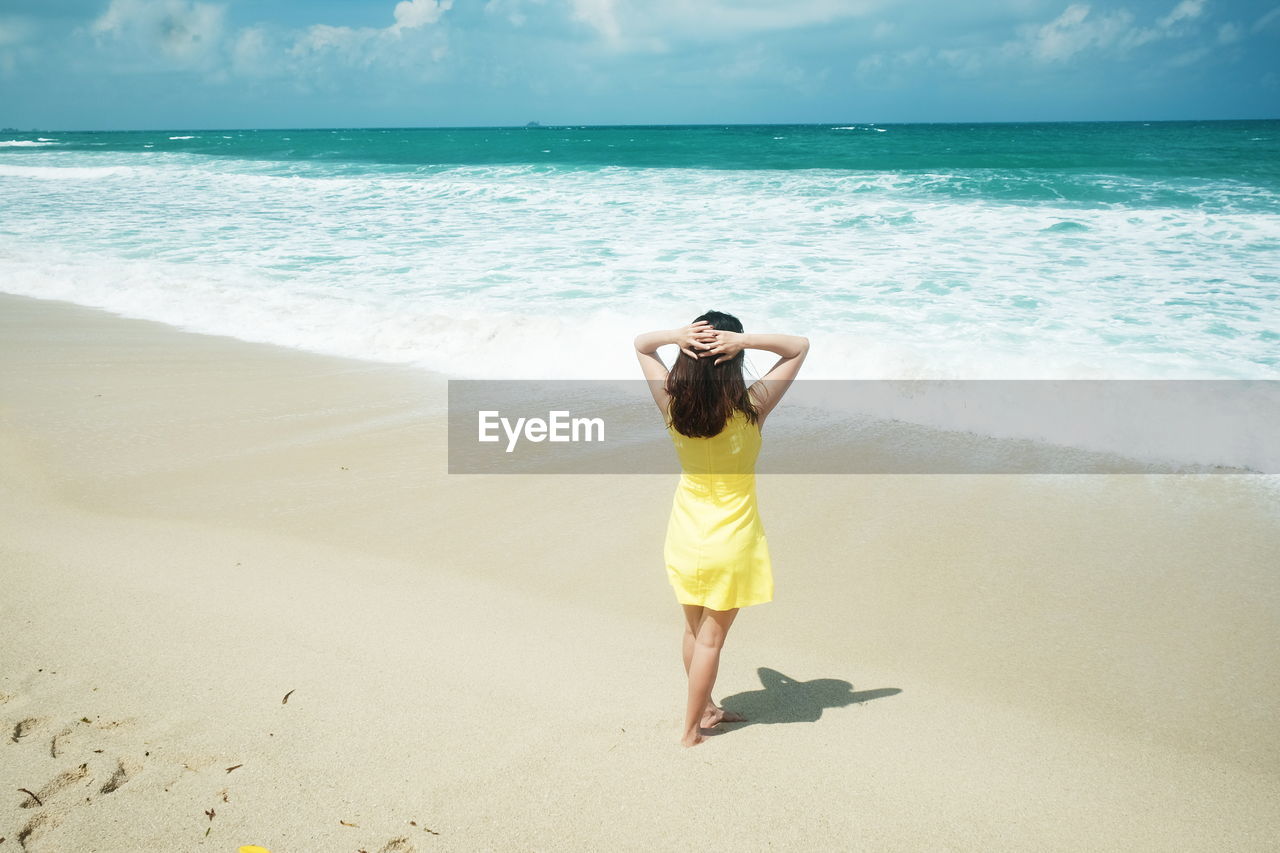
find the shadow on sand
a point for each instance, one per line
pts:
(785, 700)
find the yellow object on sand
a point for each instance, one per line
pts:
(716, 551)
(253, 848)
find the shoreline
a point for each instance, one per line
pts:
(933, 426)
(194, 525)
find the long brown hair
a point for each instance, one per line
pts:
(705, 394)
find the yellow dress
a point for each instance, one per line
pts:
(716, 551)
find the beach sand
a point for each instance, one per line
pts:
(194, 527)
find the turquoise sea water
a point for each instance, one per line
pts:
(1127, 250)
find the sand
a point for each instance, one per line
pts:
(193, 528)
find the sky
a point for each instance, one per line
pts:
(178, 64)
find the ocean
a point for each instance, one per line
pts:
(1135, 250)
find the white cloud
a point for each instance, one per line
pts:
(348, 44)
(1229, 33)
(1077, 32)
(764, 66)
(963, 62)
(654, 24)
(250, 50)
(1074, 31)
(600, 15)
(192, 34)
(411, 14)
(364, 47)
(736, 17)
(351, 41)
(1188, 57)
(16, 45)
(512, 10)
(14, 30)
(1185, 10)
(186, 33)
(1262, 23)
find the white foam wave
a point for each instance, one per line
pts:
(182, 137)
(537, 272)
(63, 172)
(481, 340)
(25, 143)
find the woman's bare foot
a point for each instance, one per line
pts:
(696, 738)
(713, 716)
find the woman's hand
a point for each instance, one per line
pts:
(695, 336)
(725, 345)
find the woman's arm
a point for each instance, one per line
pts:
(770, 388)
(647, 344)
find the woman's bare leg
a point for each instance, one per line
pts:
(703, 666)
(714, 715)
(694, 614)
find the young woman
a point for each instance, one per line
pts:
(716, 554)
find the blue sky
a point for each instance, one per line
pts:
(116, 64)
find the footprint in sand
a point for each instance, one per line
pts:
(27, 727)
(122, 773)
(58, 743)
(92, 756)
(46, 798)
(84, 729)
(51, 788)
(35, 828)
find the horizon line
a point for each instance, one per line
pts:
(539, 126)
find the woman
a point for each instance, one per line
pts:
(716, 553)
